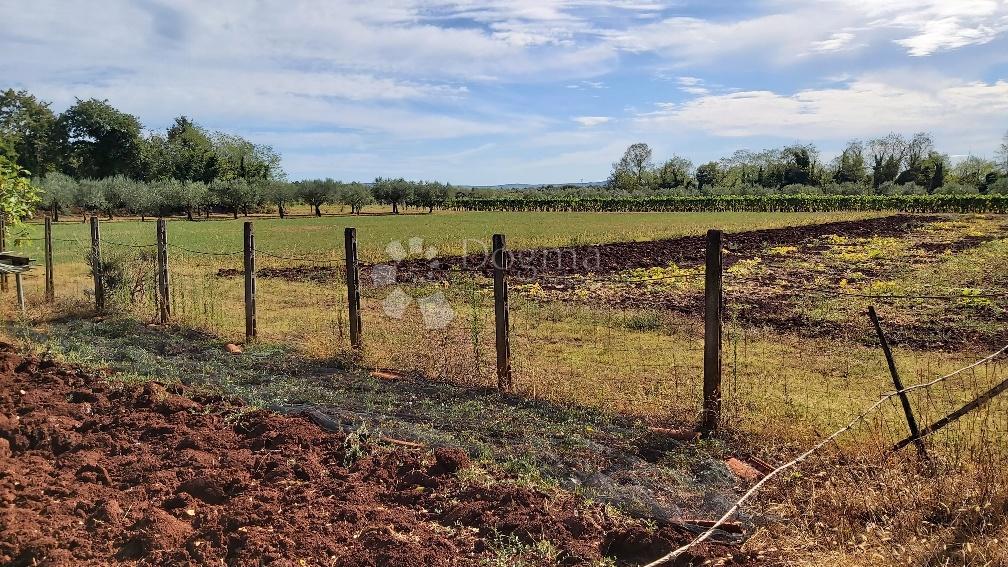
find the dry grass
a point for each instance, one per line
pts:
(854, 505)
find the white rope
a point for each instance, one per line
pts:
(885, 397)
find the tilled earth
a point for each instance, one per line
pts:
(100, 474)
(604, 259)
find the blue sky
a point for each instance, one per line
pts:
(524, 90)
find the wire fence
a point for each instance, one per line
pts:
(631, 342)
(798, 354)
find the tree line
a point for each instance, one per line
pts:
(892, 164)
(95, 159)
(120, 195)
(94, 140)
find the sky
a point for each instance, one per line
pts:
(524, 91)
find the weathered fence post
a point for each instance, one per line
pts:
(904, 400)
(713, 301)
(500, 267)
(20, 293)
(50, 282)
(3, 248)
(96, 265)
(250, 283)
(164, 289)
(353, 286)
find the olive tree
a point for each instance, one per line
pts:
(57, 193)
(394, 192)
(280, 193)
(356, 195)
(315, 193)
(232, 194)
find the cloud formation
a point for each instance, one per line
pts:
(357, 89)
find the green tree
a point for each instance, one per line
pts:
(675, 172)
(887, 155)
(357, 196)
(631, 171)
(232, 194)
(430, 194)
(849, 166)
(99, 141)
(57, 193)
(975, 172)
(315, 193)
(798, 165)
(237, 158)
(708, 175)
(1002, 155)
(150, 199)
(394, 192)
(191, 152)
(28, 124)
(280, 193)
(117, 191)
(18, 196)
(89, 197)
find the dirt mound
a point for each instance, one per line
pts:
(91, 473)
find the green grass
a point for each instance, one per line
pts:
(452, 233)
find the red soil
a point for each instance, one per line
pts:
(96, 474)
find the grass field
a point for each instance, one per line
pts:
(803, 367)
(447, 231)
(579, 345)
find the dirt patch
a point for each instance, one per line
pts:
(603, 259)
(306, 273)
(91, 473)
(683, 251)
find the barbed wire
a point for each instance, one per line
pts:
(203, 252)
(300, 258)
(822, 443)
(127, 245)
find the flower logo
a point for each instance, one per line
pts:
(437, 313)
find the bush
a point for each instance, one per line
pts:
(127, 276)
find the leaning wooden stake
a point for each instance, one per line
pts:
(979, 402)
(50, 282)
(500, 267)
(164, 288)
(713, 302)
(96, 265)
(353, 286)
(911, 421)
(250, 283)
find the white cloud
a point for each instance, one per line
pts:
(589, 121)
(410, 84)
(863, 107)
(839, 41)
(797, 29)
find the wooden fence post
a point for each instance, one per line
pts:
(20, 293)
(96, 265)
(500, 267)
(50, 282)
(904, 400)
(250, 283)
(3, 248)
(164, 289)
(353, 286)
(713, 302)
